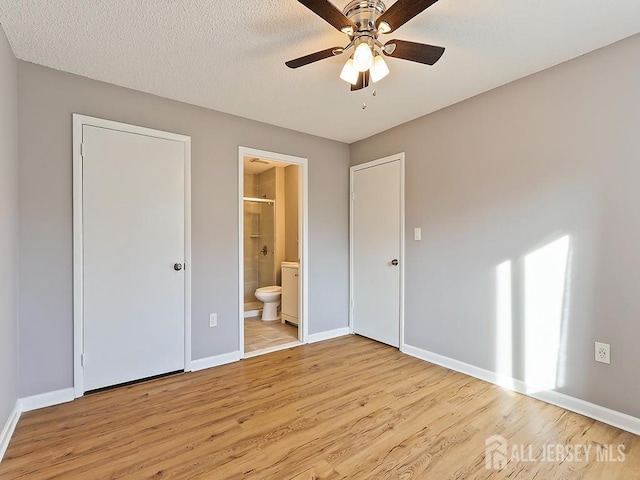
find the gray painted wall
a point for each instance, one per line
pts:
(8, 229)
(498, 176)
(47, 98)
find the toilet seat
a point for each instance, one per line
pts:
(270, 289)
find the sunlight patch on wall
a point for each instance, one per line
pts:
(544, 290)
(504, 324)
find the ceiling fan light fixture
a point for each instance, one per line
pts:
(364, 21)
(349, 72)
(379, 69)
(363, 57)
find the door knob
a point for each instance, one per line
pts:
(394, 262)
(177, 267)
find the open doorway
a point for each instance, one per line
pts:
(273, 246)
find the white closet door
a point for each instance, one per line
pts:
(376, 252)
(133, 235)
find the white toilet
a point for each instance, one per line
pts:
(270, 296)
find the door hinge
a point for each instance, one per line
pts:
(82, 359)
(82, 149)
(352, 303)
(353, 195)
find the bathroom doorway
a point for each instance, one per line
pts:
(273, 247)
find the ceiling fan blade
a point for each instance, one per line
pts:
(314, 57)
(327, 11)
(401, 12)
(363, 81)
(415, 52)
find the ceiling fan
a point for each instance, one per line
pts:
(363, 21)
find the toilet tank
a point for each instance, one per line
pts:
(290, 292)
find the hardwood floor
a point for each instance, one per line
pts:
(259, 335)
(347, 408)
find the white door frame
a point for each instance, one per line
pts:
(303, 228)
(78, 274)
(399, 157)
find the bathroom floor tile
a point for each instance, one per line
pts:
(259, 335)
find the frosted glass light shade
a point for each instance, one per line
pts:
(349, 73)
(379, 70)
(363, 57)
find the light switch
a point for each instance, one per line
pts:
(417, 233)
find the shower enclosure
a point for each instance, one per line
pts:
(259, 248)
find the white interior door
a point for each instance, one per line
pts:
(133, 202)
(376, 249)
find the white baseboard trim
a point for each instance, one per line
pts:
(215, 361)
(46, 399)
(328, 335)
(591, 410)
(9, 427)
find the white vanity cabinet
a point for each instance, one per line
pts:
(290, 292)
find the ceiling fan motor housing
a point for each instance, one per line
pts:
(364, 13)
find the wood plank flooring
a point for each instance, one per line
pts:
(347, 408)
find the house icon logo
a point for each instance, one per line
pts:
(495, 453)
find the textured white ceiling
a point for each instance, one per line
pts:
(229, 55)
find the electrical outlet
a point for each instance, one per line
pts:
(603, 353)
(213, 319)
